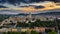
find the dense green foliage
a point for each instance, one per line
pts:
(37, 23)
(34, 32)
(23, 33)
(3, 17)
(58, 23)
(52, 32)
(11, 33)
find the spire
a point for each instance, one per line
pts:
(30, 15)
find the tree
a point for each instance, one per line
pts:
(34, 32)
(11, 33)
(52, 32)
(23, 32)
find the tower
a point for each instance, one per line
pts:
(30, 15)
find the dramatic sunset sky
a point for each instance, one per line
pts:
(14, 5)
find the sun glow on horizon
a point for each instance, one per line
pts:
(48, 6)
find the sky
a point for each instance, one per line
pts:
(26, 1)
(12, 3)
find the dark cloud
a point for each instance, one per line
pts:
(25, 1)
(55, 0)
